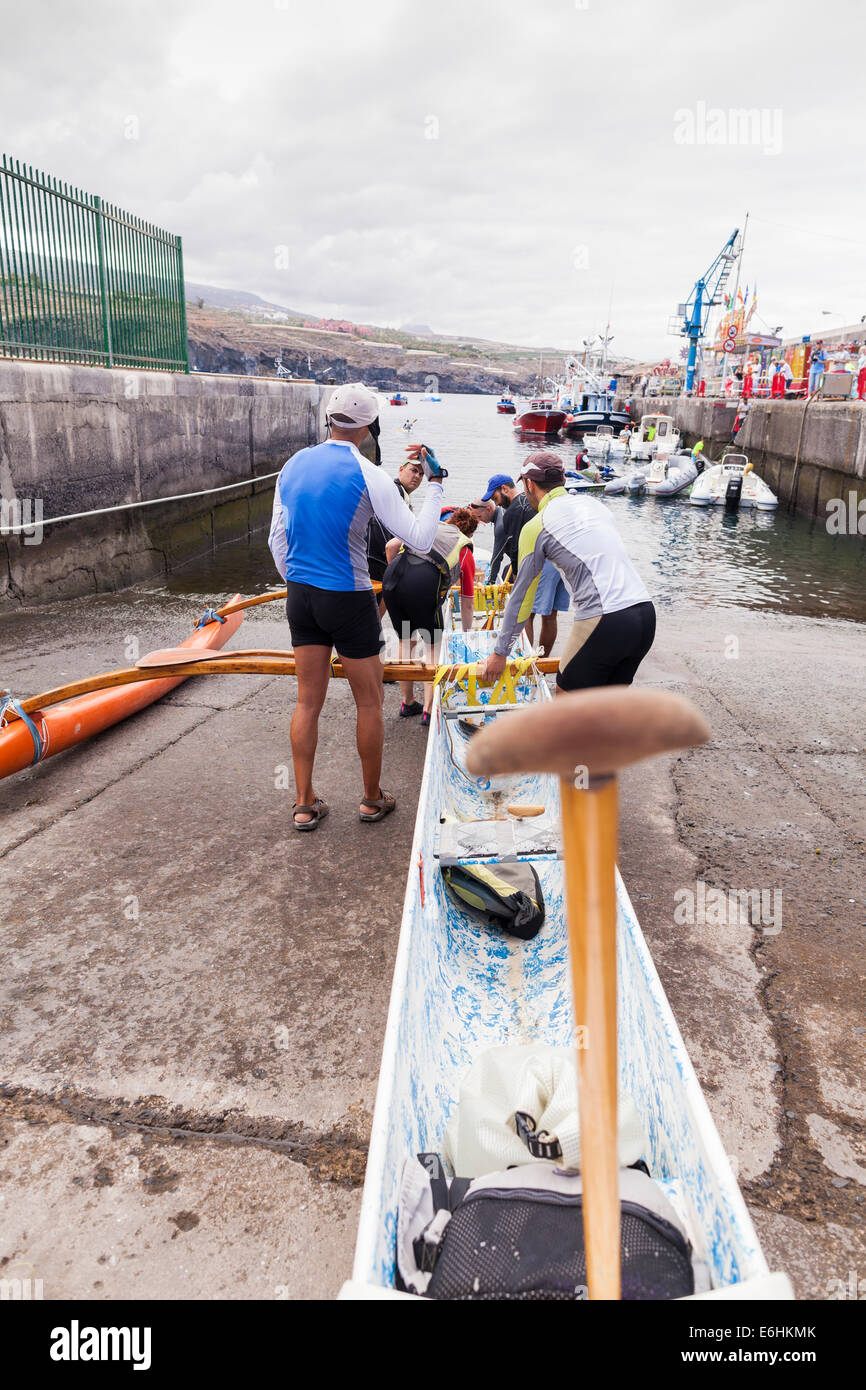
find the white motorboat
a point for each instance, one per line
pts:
(656, 437)
(671, 474)
(604, 446)
(733, 483)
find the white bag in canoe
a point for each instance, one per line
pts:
(539, 1084)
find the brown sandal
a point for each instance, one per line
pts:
(385, 804)
(318, 811)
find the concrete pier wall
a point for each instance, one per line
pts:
(808, 453)
(75, 439)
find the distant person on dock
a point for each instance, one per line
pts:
(817, 363)
(748, 382)
(324, 499)
(861, 373)
(777, 383)
(614, 617)
(415, 587)
(788, 375)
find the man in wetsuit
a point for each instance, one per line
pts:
(614, 618)
(324, 499)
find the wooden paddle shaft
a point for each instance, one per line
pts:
(276, 594)
(275, 665)
(589, 829)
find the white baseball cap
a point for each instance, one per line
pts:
(353, 405)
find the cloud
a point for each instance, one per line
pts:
(488, 167)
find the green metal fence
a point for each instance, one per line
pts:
(81, 281)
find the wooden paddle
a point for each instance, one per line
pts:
(587, 738)
(269, 598)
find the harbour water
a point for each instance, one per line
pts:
(765, 561)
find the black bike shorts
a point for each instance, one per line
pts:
(412, 591)
(610, 655)
(345, 619)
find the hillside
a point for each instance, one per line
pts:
(232, 338)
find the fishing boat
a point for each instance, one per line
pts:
(671, 474)
(399, 399)
(505, 405)
(460, 988)
(540, 417)
(733, 483)
(25, 741)
(656, 437)
(587, 422)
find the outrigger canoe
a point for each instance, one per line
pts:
(459, 988)
(78, 719)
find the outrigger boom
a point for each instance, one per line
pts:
(88, 706)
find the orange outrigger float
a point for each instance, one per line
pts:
(77, 720)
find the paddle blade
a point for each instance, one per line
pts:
(176, 656)
(601, 730)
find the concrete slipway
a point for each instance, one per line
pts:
(192, 998)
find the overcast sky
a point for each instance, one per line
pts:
(569, 166)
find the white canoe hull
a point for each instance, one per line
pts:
(459, 988)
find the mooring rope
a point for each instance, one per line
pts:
(130, 506)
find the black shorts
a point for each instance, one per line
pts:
(412, 590)
(613, 651)
(345, 619)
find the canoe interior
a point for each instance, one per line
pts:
(460, 987)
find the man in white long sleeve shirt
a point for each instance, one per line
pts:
(323, 502)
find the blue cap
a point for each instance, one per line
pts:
(496, 481)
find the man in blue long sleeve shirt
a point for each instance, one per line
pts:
(323, 502)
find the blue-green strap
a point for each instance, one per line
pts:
(210, 615)
(6, 703)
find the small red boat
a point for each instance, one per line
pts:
(542, 417)
(505, 405)
(399, 399)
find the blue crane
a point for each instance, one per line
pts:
(705, 295)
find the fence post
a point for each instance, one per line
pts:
(182, 288)
(103, 283)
